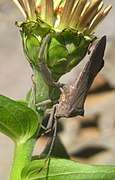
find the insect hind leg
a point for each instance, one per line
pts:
(54, 127)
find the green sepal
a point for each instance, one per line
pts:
(78, 54)
(32, 34)
(37, 28)
(57, 60)
(66, 50)
(32, 46)
(63, 52)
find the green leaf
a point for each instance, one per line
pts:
(65, 169)
(17, 120)
(23, 102)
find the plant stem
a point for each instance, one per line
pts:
(22, 155)
(42, 89)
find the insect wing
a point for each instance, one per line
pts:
(72, 99)
(85, 80)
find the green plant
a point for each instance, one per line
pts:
(55, 38)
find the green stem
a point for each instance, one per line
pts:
(39, 93)
(23, 149)
(22, 156)
(42, 89)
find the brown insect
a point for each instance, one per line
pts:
(72, 99)
(71, 102)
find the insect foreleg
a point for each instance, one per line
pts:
(44, 69)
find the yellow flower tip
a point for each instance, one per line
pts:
(100, 6)
(85, 8)
(65, 17)
(21, 7)
(98, 18)
(107, 9)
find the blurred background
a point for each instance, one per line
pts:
(89, 139)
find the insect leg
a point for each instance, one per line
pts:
(43, 103)
(50, 123)
(52, 141)
(44, 69)
(51, 147)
